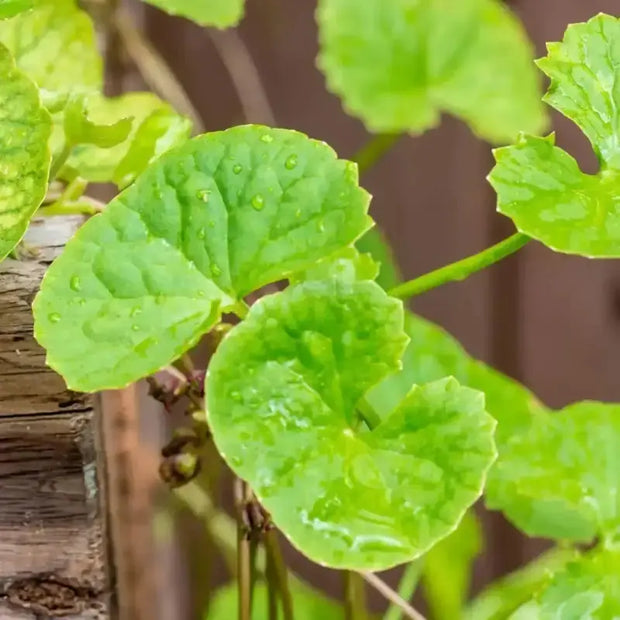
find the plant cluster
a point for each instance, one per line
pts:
(362, 432)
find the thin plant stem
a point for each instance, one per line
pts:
(154, 69)
(241, 309)
(244, 564)
(368, 414)
(244, 75)
(406, 587)
(271, 578)
(354, 596)
(461, 269)
(60, 160)
(272, 547)
(392, 596)
(374, 150)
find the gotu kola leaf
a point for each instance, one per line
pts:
(209, 222)
(282, 391)
(54, 44)
(399, 64)
(154, 129)
(570, 492)
(588, 587)
(25, 128)
(219, 13)
(540, 186)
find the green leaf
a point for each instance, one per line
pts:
(308, 604)
(507, 594)
(80, 128)
(433, 354)
(154, 129)
(219, 13)
(348, 264)
(375, 244)
(24, 154)
(588, 588)
(208, 223)
(448, 569)
(54, 44)
(540, 186)
(399, 65)
(282, 391)
(570, 492)
(10, 8)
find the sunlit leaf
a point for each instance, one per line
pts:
(154, 129)
(282, 393)
(54, 44)
(208, 223)
(219, 13)
(10, 8)
(398, 65)
(24, 154)
(448, 569)
(561, 477)
(540, 186)
(308, 604)
(588, 588)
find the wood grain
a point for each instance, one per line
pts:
(53, 537)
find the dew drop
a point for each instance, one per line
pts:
(54, 317)
(211, 223)
(215, 270)
(202, 233)
(75, 283)
(258, 202)
(320, 225)
(236, 396)
(203, 194)
(291, 162)
(135, 328)
(266, 138)
(237, 168)
(159, 194)
(298, 213)
(135, 311)
(81, 301)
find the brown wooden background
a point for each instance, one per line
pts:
(551, 321)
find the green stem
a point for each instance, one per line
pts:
(241, 309)
(60, 160)
(406, 588)
(374, 150)
(461, 269)
(274, 554)
(405, 608)
(354, 596)
(244, 559)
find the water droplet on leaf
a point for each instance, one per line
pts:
(203, 194)
(258, 202)
(237, 168)
(54, 317)
(202, 233)
(320, 225)
(135, 311)
(215, 270)
(135, 328)
(266, 138)
(75, 283)
(291, 162)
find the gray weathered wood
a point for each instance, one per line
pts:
(53, 537)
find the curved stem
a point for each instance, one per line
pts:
(460, 269)
(374, 150)
(244, 75)
(354, 596)
(406, 587)
(154, 69)
(392, 596)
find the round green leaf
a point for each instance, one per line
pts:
(282, 392)
(55, 45)
(570, 492)
(219, 13)
(208, 223)
(540, 186)
(25, 128)
(588, 588)
(399, 64)
(155, 129)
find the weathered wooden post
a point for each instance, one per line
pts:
(53, 523)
